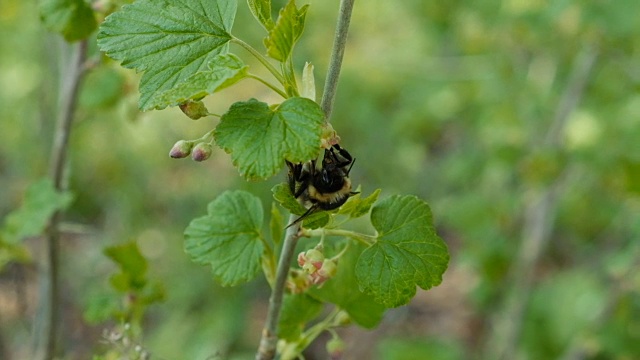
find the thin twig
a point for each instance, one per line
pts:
(49, 303)
(539, 218)
(269, 340)
(337, 53)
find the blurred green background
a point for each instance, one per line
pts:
(518, 121)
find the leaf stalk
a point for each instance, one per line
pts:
(261, 59)
(365, 239)
(268, 84)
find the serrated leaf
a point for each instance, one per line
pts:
(228, 238)
(407, 253)
(297, 311)
(167, 40)
(133, 266)
(224, 71)
(73, 19)
(342, 289)
(40, 202)
(261, 10)
(282, 194)
(286, 32)
(356, 206)
(259, 138)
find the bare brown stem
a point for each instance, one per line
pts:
(539, 218)
(49, 305)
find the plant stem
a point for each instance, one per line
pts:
(539, 218)
(49, 303)
(267, 349)
(269, 340)
(260, 58)
(337, 53)
(363, 238)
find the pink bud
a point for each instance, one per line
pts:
(201, 151)
(328, 269)
(181, 149)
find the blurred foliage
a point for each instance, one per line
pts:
(448, 100)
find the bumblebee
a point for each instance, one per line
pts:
(322, 185)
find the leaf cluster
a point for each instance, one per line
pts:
(386, 267)
(182, 49)
(40, 202)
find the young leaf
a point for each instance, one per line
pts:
(261, 10)
(224, 71)
(342, 289)
(133, 266)
(259, 138)
(288, 29)
(276, 224)
(228, 238)
(73, 19)
(407, 252)
(356, 206)
(40, 202)
(282, 194)
(167, 40)
(308, 82)
(297, 311)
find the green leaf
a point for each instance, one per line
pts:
(282, 194)
(168, 40)
(40, 202)
(73, 19)
(259, 138)
(407, 252)
(261, 10)
(228, 238)
(356, 206)
(297, 311)
(288, 29)
(224, 71)
(276, 224)
(342, 289)
(100, 307)
(133, 266)
(308, 89)
(12, 253)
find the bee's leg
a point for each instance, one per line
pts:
(307, 213)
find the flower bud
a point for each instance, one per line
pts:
(328, 269)
(201, 151)
(194, 109)
(298, 282)
(343, 318)
(181, 149)
(335, 348)
(309, 268)
(311, 258)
